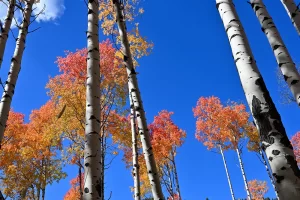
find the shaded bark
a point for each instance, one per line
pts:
(92, 150)
(272, 133)
(138, 106)
(283, 58)
(135, 163)
(227, 173)
(294, 13)
(15, 68)
(6, 27)
(176, 176)
(243, 174)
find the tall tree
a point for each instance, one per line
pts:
(138, 105)
(15, 67)
(166, 137)
(293, 11)
(92, 146)
(208, 112)
(135, 161)
(267, 119)
(254, 145)
(6, 27)
(282, 55)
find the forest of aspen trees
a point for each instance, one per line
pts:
(92, 114)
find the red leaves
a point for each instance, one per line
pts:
(218, 124)
(296, 145)
(165, 135)
(257, 189)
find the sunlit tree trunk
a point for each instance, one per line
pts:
(283, 58)
(92, 150)
(227, 173)
(243, 174)
(138, 106)
(294, 13)
(6, 28)
(269, 172)
(268, 121)
(15, 68)
(135, 162)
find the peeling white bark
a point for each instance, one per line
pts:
(6, 28)
(15, 68)
(92, 150)
(135, 162)
(243, 174)
(268, 121)
(138, 106)
(294, 13)
(283, 58)
(227, 173)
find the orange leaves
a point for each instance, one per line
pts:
(74, 192)
(296, 145)
(218, 124)
(257, 189)
(165, 135)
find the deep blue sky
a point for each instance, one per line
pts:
(191, 58)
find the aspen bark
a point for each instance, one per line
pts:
(135, 161)
(138, 106)
(294, 13)
(92, 150)
(227, 173)
(243, 174)
(283, 58)
(6, 28)
(267, 119)
(176, 176)
(15, 68)
(268, 172)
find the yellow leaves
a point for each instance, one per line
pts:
(141, 10)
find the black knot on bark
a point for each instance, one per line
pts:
(275, 152)
(86, 190)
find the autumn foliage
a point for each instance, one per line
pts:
(257, 189)
(296, 145)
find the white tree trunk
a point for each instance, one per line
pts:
(92, 150)
(227, 173)
(135, 161)
(269, 172)
(283, 58)
(138, 106)
(6, 28)
(15, 68)
(176, 175)
(243, 174)
(268, 121)
(294, 13)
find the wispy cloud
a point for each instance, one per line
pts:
(53, 10)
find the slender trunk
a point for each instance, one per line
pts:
(15, 68)
(283, 58)
(243, 174)
(170, 181)
(103, 147)
(227, 173)
(92, 149)
(80, 180)
(1, 196)
(176, 176)
(38, 188)
(6, 27)
(268, 172)
(267, 119)
(43, 193)
(294, 13)
(138, 106)
(135, 162)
